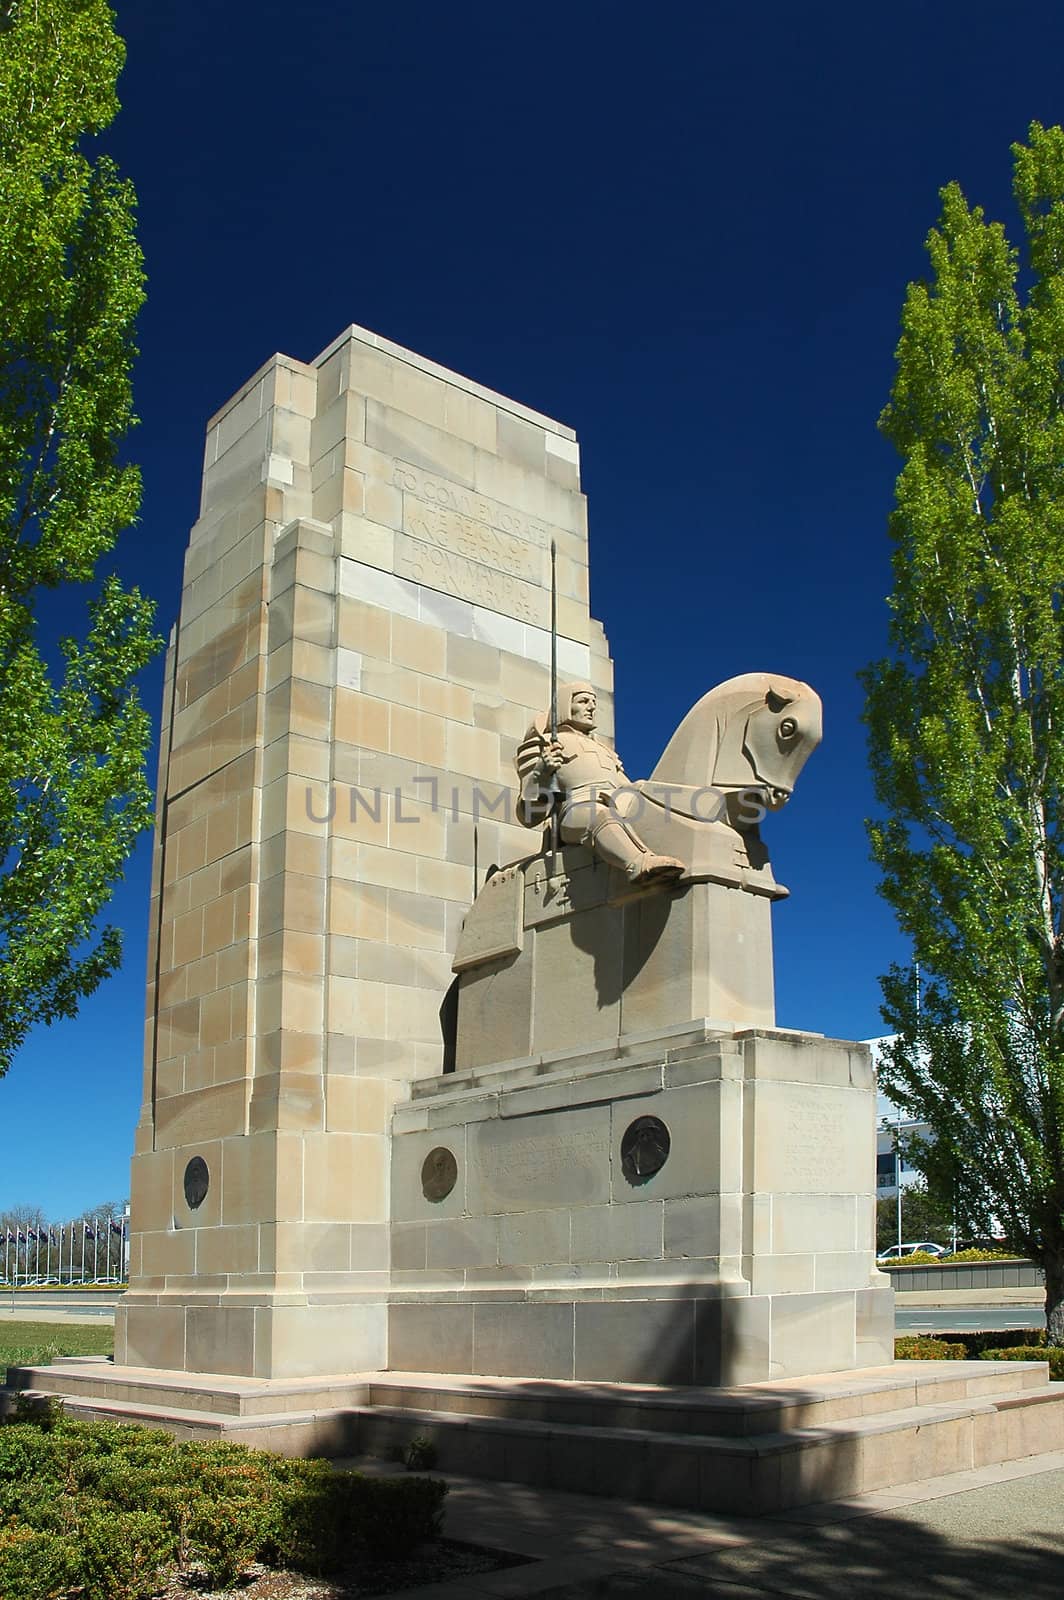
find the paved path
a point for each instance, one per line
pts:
(998, 1531)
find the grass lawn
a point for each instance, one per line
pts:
(32, 1344)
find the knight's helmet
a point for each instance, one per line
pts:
(530, 749)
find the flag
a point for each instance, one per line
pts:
(117, 1227)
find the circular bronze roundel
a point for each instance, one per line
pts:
(644, 1149)
(197, 1182)
(439, 1174)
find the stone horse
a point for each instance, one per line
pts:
(551, 965)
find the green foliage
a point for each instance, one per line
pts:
(34, 1566)
(120, 1554)
(73, 735)
(918, 1258)
(111, 1508)
(922, 1217)
(419, 1454)
(1030, 1352)
(1003, 1339)
(914, 1348)
(960, 1256)
(393, 1515)
(964, 720)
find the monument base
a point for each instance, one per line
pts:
(244, 1333)
(689, 1207)
(749, 1451)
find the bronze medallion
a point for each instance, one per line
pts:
(439, 1174)
(644, 1149)
(197, 1182)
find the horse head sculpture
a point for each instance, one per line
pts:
(755, 731)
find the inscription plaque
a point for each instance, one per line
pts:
(439, 1174)
(644, 1149)
(469, 580)
(468, 504)
(463, 536)
(197, 1182)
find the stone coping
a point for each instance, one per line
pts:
(377, 341)
(661, 1047)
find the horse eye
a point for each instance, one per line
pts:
(788, 728)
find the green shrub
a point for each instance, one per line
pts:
(110, 1506)
(1031, 1352)
(391, 1516)
(985, 1255)
(224, 1535)
(120, 1553)
(1004, 1339)
(26, 1452)
(311, 1529)
(420, 1454)
(33, 1565)
(915, 1347)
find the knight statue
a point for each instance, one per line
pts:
(578, 783)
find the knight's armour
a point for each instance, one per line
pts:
(582, 788)
(588, 764)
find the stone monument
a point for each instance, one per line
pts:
(466, 1113)
(646, 1181)
(363, 638)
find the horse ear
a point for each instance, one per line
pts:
(776, 701)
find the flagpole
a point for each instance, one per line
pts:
(554, 819)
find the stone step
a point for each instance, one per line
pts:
(745, 1476)
(742, 1475)
(182, 1391)
(753, 1409)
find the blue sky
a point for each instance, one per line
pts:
(684, 230)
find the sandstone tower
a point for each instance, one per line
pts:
(363, 638)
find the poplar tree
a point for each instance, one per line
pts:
(73, 736)
(966, 718)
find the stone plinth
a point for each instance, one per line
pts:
(748, 1254)
(547, 962)
(363, 638)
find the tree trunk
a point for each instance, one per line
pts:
(1053, 1261)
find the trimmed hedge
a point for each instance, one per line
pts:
(1003, 1339)
(108, 1510)
(984, 1346)
(917, 1348)
(983, 1255)
(1030, 1352)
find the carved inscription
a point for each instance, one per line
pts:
(467, 503)
(454, 574)
(475, 541)
(541, 1169)
(811, 1139)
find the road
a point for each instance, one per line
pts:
(88, 1304)
(967, 1319)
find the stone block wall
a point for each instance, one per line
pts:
(363, 639)
(747, 1255)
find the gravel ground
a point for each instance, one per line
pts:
(436, 1563)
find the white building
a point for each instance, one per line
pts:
(893, 1130)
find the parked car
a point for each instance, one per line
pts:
(897, 1251)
